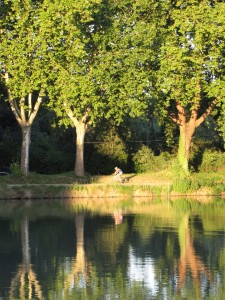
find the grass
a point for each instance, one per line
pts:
(71, 178)
(34, 178)
(161, 182)
(155, 178)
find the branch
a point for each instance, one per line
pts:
(180, 120)
(16, 106)
(29, 104)
(12, 103)
(70, 113)
(207, 112)
(14, 110)
(173, 118)
(36, 107)
(194, 112)
(22, 110)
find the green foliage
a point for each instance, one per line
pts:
(220, 120)
(184, 185)
(183, 204)
(212, 161)
(48, 155)
(219, 188)
(15, 169)
(118, 59)
(9, 147)
(145, 160)
(109, 152)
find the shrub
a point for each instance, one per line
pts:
(15, 169)
(144, 160)
(212, 161)
(108, 153)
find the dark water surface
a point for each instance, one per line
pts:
(107, 249)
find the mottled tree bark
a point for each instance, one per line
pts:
(79, 162)
(186, 134)
(25, 147)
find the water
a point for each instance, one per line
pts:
(109, 249)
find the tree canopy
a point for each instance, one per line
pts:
(107, 60)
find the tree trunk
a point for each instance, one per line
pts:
(186, 134)
(25, 242)
(26, 132)
(79, 163)
(79, 221)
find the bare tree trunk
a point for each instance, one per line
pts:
(186, 134)
(26, 132)
(81, 129)
(187, 129)
(79, 162)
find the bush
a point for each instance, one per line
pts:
(212, 161)
(15, 169)
(108, 153)
(144, 160)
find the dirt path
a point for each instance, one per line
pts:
(133, 179)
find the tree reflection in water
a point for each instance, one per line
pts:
(189, 260)
(133, 260)
(25, 279)
(80, 271)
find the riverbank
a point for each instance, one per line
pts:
(74, 191)
(141, 185)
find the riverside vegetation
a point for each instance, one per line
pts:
(152, 176)
(160, 83)
(67, 185)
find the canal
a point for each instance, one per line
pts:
(113, 249)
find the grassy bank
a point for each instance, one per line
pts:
(67, 185)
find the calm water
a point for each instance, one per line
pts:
(126, 250)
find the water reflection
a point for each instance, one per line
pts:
(151, 250)
(25, 282)
(189, 260)
(80, 268)
(118, 217)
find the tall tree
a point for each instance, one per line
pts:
(23, 64)
(91, 79)
(123, 61)
(74, 95)
(190, 79)
(171, 52)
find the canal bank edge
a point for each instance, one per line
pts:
(61, 191)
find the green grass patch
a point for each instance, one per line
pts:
(184, 185)
(64, 178)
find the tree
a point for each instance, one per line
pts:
(92, 81)
(24, 64)
(190, 78)
(170, 53)
(123, 75)
(74, 95)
